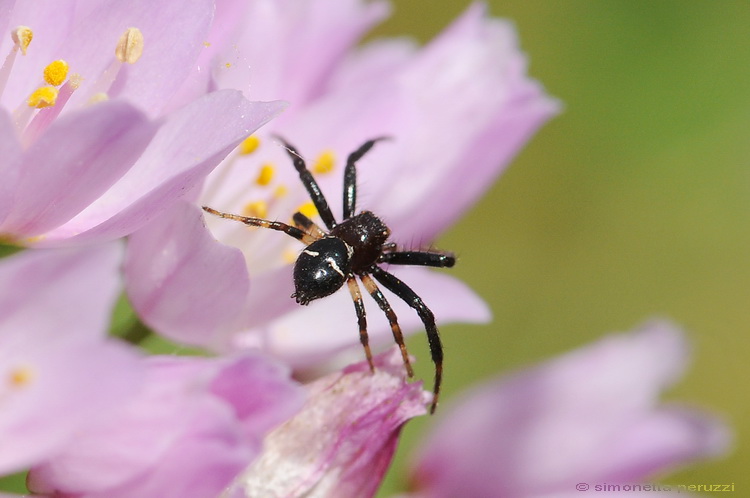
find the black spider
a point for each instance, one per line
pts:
(350, 249)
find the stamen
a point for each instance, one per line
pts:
(256, 209)
(249, 145)
(308, 209)
(21, 376)
(130, 46)
(325, 161)
(56, 72)
(44, 96)
(45, 116)
(265, 175)
(22, 37)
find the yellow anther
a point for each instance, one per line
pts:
(56, 72)
(21, 376)
(256, 209)
(206, 44)
(44, 96)
(130, 46)
(308, 209)
(227, 65)
(249, 145)
(265, 175)
(324, 162)
(280, 191)
(22, 36)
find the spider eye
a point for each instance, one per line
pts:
(321, 269)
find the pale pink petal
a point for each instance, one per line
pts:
(308, 334)
(76, 288)
(288, 48)
(588, 416)
(173, 32)
(343, 440)
(10, 151)
(187, 434)
(80, 157)
(188, 145)
(181, 281)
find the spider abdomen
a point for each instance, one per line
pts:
(365, 233)
(321, 269)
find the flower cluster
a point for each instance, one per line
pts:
(149, 110)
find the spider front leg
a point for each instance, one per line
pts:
(395, 285)
(295, 232)
(350, 176)
(316, 195)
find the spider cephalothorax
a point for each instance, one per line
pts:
(354, 249)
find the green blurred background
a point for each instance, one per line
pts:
(633, 203)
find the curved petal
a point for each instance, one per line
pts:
(311, 333)
(76, 288)
(190, 143)
(181, 281)
(588, 416)
(79, 157)
(173, 31)
(10, 172)
(343, 440)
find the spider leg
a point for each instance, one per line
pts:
(359, 306)
(379, 298)
(316, 195)
(295, 232)
(420, 258)
(395, 285)
(350, 176)
(304, 223)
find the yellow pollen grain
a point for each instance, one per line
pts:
(21, 376)
(22, 36)
(308, 209)
(265, 175)
(256, 209)
(280, 191)
(325, 161)
(227, 65)
(44, 96)
(75, 81)
(56, 72)
(130, 46)
(249, 145)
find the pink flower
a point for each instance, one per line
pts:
(58, 372)
(457, 111)
(343, 440)
(92, 154)
(591, 416)
(194, 427)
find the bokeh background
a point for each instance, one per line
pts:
(633, 203)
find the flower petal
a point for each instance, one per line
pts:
(10, 172)
(588, 416)
(73, 163)
(311, 333)
(76, 288)
(189, 144)
(343, 440)
(181, 281)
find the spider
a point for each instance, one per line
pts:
(354, 248)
